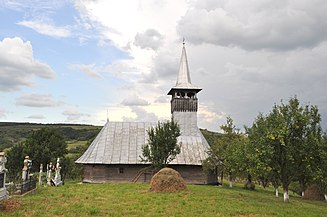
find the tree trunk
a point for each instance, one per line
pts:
(249, 185)
(326, 197)
(302, 185)
(230, 180)
(286, 197)
(222, 177)
(276, 191)
(249, 178)
(275, 183)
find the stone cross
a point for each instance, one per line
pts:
(40, 175)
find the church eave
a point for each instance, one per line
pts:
(175, 89)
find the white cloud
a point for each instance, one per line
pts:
(18, 65)
(151, 38)
(134, 100)
(37, 100)
(46, 28)
(37, 117)
(74, 115)
(246, 55)
(2, 113)
(123, 23)
(36, 5)
(242, 84)
(124, 69)
(128, 27)
(162, 99)
(269, 24)
(208, 118)
(141, 115)
(88, 69)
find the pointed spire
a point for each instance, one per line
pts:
(184, 78)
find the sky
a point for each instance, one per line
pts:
(84, 61)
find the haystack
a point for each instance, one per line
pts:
(313, 193)
(167, 180)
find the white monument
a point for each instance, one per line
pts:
(26, 169)
(49, 173)
(57, 180)
(40, 175)
(3, 191)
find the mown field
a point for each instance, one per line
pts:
(127, 199)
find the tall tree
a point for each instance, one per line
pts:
(290, 136)
(308, 136)
(320, 177)
(226, 154)
(45, 145)
(162, 145)
(260, 155)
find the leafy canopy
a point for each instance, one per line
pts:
(286, 143)
(44, 146)
(162, 145)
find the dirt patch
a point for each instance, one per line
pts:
(167, 180)
(10, 205)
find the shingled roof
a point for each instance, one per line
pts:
(121, 143)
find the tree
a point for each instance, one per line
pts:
(162, 145)
(320, 177)
(308, 138)
(288, 139)
(45, 145)
(260, 155)
(15, 156)
(226, 154)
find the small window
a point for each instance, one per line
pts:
(120, 170)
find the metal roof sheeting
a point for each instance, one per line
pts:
(121, 143)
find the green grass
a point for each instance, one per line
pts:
(127, 199)
(75, 143)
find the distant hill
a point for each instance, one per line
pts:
(12, 132)
(15, 132)
(210, 136)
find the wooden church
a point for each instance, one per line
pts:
(114, 155)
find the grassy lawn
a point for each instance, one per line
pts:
(127, 199)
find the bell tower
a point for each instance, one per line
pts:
(184, 101)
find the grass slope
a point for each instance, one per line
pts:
(127, 199)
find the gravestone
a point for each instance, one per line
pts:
(26, 169)
(3, 191)
(28, 183)
(57, 180)
(40, 175)
(49, 173)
